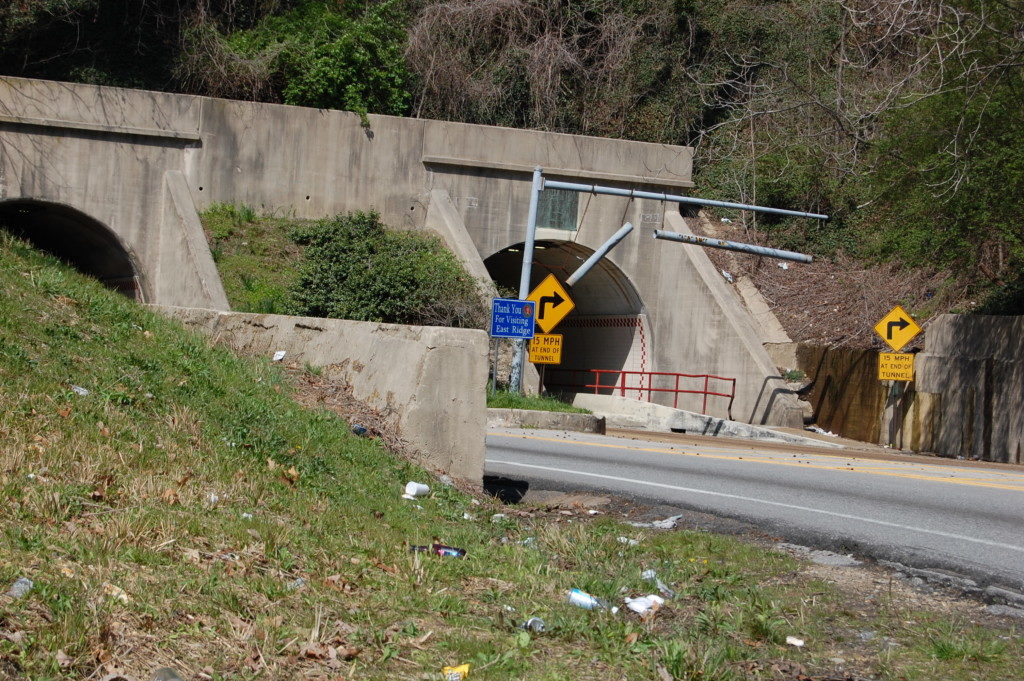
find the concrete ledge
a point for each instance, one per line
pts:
(557, 172)
(623, 412)
(183, 135)
(547, 420)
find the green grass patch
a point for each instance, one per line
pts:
(174, 506)
(255, 256)
(503, 399)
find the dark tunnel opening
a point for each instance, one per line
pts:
(606, 330)
(77, 239)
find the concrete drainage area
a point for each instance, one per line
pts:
(611, 411)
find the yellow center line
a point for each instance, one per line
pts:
(850, 467)
(994, 476)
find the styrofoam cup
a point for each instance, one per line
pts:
(415, 489)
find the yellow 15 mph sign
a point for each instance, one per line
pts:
(546, 348)
(895, 366)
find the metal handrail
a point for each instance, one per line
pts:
(621, 385)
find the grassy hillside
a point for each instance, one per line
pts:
(187, 512)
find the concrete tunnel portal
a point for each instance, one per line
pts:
(77, 239)
(607, 329)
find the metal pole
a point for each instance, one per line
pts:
(731, 246)
(515, 381)
(599, 253)
(675, 198)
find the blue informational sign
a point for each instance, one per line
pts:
(511, 318)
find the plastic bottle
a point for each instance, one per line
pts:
(588, 602)
(441, 550)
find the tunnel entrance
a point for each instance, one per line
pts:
(77, 239)
(607, 330)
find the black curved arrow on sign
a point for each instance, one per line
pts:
(554, 301)
(899, 324)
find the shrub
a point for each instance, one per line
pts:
(355, 268)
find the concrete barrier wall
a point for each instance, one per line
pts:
(623, 412)
(970, 383)
(431, 377)
(546, 420)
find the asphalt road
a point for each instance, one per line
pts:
(964, 519)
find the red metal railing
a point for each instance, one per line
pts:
(621, 384)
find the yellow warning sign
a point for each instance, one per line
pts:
(546, 348)
(897, 328)
(553, 303)
(895, 366)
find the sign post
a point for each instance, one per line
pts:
(515, 381)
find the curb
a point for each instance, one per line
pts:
(546, 420)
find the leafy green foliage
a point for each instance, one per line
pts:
(355, 268)
(350, 267)
(318, 54)
(938, 206)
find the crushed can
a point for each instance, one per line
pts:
(535, 624)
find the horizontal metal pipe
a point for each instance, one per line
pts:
(675, 198)
(599, 253)
(731, 246)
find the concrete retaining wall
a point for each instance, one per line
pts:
(967, 397)
(847, 397)
(969, 389)
(432, 377)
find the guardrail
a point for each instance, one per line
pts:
(622, 385)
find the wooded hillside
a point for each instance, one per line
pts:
(902, 118)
